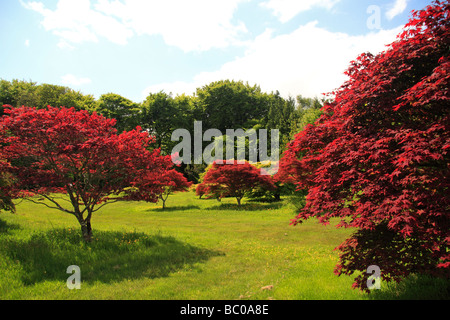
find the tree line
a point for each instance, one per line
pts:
(222, 105)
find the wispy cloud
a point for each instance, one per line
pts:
(76, 22)
(71, 80)
(64, 45)
(285, 10)
(397, 8)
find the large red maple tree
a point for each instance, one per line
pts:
(57, 151)
(378, 159)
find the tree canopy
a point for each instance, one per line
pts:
(123, 110)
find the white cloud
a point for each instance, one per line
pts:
(71, 80)
(76, 22)
(309, 61)
(64, 45)
(397, 8)
(27, 43)
(190, 25)
(285, 10)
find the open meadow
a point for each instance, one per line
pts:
(248, 123)
(194, 249)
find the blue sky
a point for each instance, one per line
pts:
(133, 47)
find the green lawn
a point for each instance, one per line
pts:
(195, 249)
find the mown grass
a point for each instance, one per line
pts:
(195, 249)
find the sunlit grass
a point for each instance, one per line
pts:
(195, 249)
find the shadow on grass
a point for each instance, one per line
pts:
(174, 208)
(5, 227)
(111, 256)
(415, 287)
(249, 206)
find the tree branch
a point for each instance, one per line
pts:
(58, 207)
(107, 202)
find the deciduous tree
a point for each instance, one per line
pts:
(162, 114)
(172, 181)
(233, 179)
(378, 158)
(229, 104)
(57, 151)
(18, 93)
(123, 110)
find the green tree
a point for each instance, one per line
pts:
(123, 110)
(162, 114)
(229, 104)
(307, 112)
(281, 115)
(59, 96)
(308, 103)
(18, 93)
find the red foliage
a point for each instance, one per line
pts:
(233, 179)
(60, 150)
(176, 181)
(200, 190)
(172, 181)
(378, 158)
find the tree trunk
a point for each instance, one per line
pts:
(86, 230)
(238, 201)
(277, 196)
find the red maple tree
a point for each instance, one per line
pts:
(58, 151)
(200, 190)
(172, 181)
(378, 158)
(233, 179)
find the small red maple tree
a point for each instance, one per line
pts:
(233, 179)
(58, 151)
(200, 190)
(172, 181)
(378, 158)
